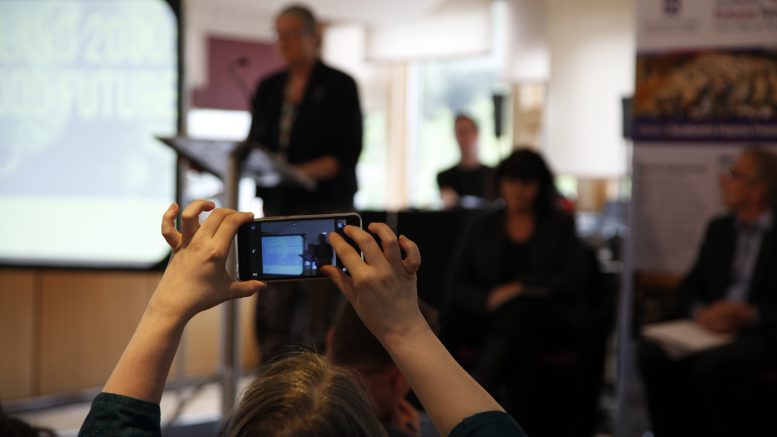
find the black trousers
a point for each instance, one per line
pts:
(510, 361)
(713, 393)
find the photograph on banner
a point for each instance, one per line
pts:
(677, 190)
(706, 96)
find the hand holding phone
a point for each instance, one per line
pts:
(382, 284)
(195, 278)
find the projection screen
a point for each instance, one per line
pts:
(85, 86)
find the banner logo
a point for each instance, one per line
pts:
(672, 7)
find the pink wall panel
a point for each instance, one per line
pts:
(222, 90)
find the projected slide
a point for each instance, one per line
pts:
(282, 255)
(297, 247)
(84, 88)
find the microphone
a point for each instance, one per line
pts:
(232, 69)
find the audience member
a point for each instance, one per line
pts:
(352, 345)
(301, 392)
(731, 289)
(468, 183)
(308, 113)
(517, 283)
(303, 396)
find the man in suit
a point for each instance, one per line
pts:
(731, 289)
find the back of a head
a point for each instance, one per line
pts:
(302, 394)
(353, 345)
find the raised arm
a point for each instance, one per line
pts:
(194, 281)
(382, 290)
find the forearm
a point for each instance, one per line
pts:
(382, 289)
(470, 298)
(449, 197)
(502, 294)
(448, 393)
(194, 281)
(566, 279)
(320, 169)
(564, 286)
(467, 292)
(142, 370)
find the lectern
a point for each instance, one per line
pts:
(229, 161)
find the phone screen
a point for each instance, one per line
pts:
(287, 248)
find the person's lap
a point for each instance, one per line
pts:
(518, 335)
(713, 391)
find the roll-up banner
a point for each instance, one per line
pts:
(706, 85)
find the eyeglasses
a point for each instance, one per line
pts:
(289, 34)
(735, 175)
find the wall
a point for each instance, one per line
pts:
(208, 18)
(592, 59)
(18, 303)
(64, 330)
(527, 57)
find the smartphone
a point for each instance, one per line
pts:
(291, 247)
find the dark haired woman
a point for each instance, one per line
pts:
(515, 285)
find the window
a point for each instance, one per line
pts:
(445, 89)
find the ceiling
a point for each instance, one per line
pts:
(364, 11)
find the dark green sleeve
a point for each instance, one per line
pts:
(490, 423)
(121, 416)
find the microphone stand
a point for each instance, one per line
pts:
(232, 70)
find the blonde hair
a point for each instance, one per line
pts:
(302, 394)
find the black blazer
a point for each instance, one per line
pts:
(328, 122)
(558, 267)
(710, 275)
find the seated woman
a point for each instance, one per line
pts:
(297, 394)
(516, 282)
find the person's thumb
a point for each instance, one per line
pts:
(340, 279)
(238, 289)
